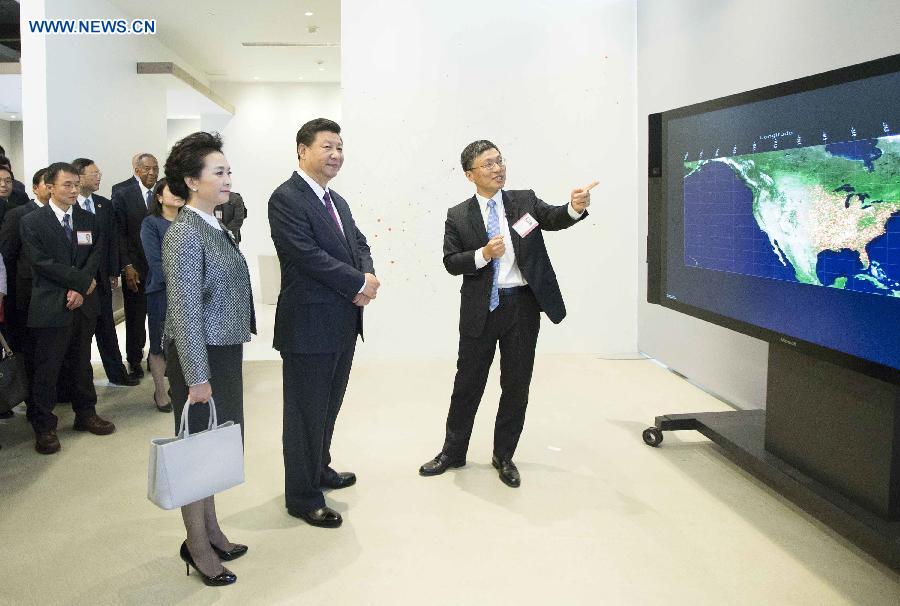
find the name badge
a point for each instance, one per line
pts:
(219, 215)
(525, 225)
(84, 238)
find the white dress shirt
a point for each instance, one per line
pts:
(144, 191)
(206, 217)
(509, 276)
(60, 214)
(82, 203)
(320, 192)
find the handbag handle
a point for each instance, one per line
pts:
(184, 430)
(6, 348)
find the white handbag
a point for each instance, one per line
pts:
(190, 467)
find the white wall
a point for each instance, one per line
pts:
(96, 104)
(694, 50)
(177, 129)
(553, 85)
(16, 155)
(260, 146)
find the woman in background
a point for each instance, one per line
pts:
(163, 208)
(208, 319)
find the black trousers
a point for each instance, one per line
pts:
(314, 387)
(20, 340)
(62, 353)
(107, 340)
(515, 324)
(15, 326)
(135, 324)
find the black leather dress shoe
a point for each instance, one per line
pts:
(439, 465)
(46, 442)
(94, 424)
(324, 517)
(509, 475)
(337, 481)
(136, 373)
(232, 554)
(124, 381)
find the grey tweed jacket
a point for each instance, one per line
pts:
(208, 292)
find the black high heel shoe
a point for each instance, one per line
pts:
(234, 553)
(164, 408)
(226, 577)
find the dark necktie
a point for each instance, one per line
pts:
(67, 225)
(333, 213)
(147, 198)
(89, 205)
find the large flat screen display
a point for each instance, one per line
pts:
(777, 212)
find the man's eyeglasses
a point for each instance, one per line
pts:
(490, 164)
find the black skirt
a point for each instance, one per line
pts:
(226, 380)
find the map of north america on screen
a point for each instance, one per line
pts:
(825, 215)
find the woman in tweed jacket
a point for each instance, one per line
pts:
(208, 318)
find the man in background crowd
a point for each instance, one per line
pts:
(130, 199)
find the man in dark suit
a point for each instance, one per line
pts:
(232, 214)
(130, 199)
(18, 269)
(65, 248)
(495, 241)
(108, 276)
(327, 276)
(7, 202)
(18, 196)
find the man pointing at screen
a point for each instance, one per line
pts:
(495, 241)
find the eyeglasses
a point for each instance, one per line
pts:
(490, 164)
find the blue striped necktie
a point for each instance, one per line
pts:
(67, 225)
(493, 229)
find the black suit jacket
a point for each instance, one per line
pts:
(18, 267)
(233, 214)
(60, 265)
(130, 209)
(464, 233)
(321, 271)
(108, 226)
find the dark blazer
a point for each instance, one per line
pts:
(18, 266)
(108, 226)
(153, 230)
(321, 271)
(130, 209)
(233, 214)
(464, 233)
(60, 265)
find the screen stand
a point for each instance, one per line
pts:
(829, 440)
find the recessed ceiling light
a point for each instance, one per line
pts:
(256, 77)
(308, 13)
(13, 116)
(299, 77)
(321, 69)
